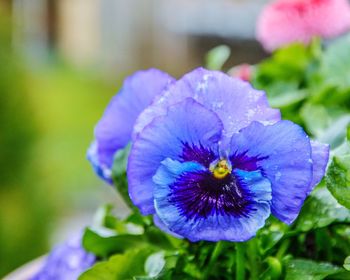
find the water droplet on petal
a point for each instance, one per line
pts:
(278, 176)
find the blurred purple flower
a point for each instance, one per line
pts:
(66, 262)
(286, 21)
(113, 131)
(211, 160)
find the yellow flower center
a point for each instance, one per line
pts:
(221, 169)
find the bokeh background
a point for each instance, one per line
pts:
(60, 63)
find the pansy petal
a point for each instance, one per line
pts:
(192, 203)
(320, 156)
(235, 100)
(66, 262)
(186, 124)
(113, 131)
(283, 153)
(103, 171)
(159, 223)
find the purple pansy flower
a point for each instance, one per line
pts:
(211, 160)
(113, 132)
(66, 262)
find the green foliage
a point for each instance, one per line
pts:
(335, 63)
(338, 175)
(216, 58)
(103, 246)
(155, 264)
(287, 70)
(309, 270)
(310, 84)
(22, 219)
(17, 126)
(321, 210)
(119, 175)
(119, 267)
(347, 263)
(338, 179)
(328, 124)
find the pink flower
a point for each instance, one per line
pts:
(286, 21)
(242, 71)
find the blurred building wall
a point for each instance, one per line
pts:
(120, 36)
(30, 28)
(78, 30)
(225, 18)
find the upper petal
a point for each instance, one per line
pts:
(235, 101)
(113, 131)
(186, 124)
(283, 152)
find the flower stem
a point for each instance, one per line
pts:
(253, 259)
(214, 256)
(240, 270)
(283, 248)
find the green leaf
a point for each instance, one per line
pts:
(287, 69)
(137, 219)
(160, 266)
(275, 267)
(155, 264)
(119, 174)
(216, 57)
(336, 132)
(328, 125)
(321, 210)
(287, 98)
(101, 214)
(316, 118)
(120, 161)
(119, 267)
(336, 61)
(348, 133)
(271, 234)
(104, 246)
(347, 263)
(309, 270)
(338, 179)
(158, 238)
(105, 220)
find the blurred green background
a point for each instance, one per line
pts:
(60, 63)
(47, 115)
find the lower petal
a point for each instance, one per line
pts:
(158, 222)
(191, 204)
